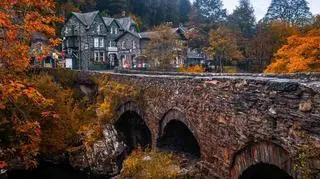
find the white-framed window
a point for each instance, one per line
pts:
(101, 42)
(134, 45)
(66, 30)
(99, 56)
(96, 56)
(111, 30)
(115, 30)
(99, 29)
(123, 45)
(96, 42)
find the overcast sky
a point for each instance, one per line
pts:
(261, 6)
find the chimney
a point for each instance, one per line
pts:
(123, 13)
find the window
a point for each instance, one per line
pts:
(66, 30)
(112, 43)
(96, 42)
(123, 45)
(111, 30)
(134, 46)
(96, 56)
(115, 30)
(101, 42)
(99, 29)
(99, 56)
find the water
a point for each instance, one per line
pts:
(47, 171)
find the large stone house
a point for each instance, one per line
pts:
(89, 40)
(93, 42)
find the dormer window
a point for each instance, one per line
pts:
(134, 45)
(115, 30)
(123, 45)
(99, 29)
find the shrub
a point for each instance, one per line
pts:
(192, 69)
(150, 164)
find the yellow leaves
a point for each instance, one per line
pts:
(192, 69)
(301, 54)
(222, 44)
(150, 164)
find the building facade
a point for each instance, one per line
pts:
(89, 40)
(93, 42)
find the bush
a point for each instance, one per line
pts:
(150, 164)
(192, 69)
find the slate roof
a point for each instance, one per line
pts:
(86, 18)
(127, 31)
(108, 20)
(149, 35)
(126, 22)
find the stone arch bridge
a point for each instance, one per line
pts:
(239, 126)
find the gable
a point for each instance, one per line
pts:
(98, 21)
(72, 25)
(114, 24)
(128, 35)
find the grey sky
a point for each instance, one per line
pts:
(261, 6)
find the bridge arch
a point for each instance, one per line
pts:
(131, 126)
(262, 160)
(176, 135)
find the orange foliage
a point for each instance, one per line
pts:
(192, 69)
(301, 54)
(21, 104)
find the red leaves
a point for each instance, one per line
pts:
(48, 114)
(3, 165)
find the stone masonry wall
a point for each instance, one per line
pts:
(238, 120)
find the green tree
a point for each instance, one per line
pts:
(295, 12)
(211, 11)
(243, 19)
(278, 10)
(300, 14)
(184, 10)
(113, 7)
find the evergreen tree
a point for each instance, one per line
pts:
(112, 7)
(295, 12)
(278, 10)
(299, 12)
(211, 10)
(243, 19)
(184, 10)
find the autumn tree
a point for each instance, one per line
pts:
(222, 46)
(301, 54)
(268, 39)
(164, 48)
(21, 105)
